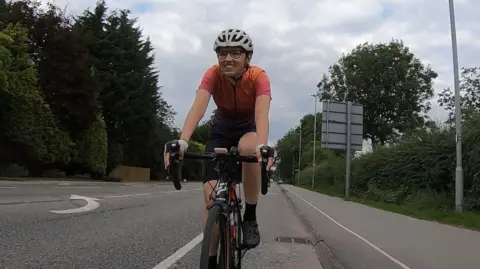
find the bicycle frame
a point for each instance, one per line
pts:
(226, 197)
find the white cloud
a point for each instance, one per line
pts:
(296, 41)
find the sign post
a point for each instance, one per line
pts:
(342, 129)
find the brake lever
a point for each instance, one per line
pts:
(174, 166)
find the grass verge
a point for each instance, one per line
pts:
(470, 220)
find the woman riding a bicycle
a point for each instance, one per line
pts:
(242, 95)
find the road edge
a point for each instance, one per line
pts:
(323, 252)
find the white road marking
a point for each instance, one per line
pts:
(144, 194)
(127, 195)
(179, 253)
(91, 205)
(352, 232)
(174, 191)
(78, 187)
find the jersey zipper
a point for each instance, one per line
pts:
(235, 97)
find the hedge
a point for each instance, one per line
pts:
(29, 129)
(91, 149)
(419, 169)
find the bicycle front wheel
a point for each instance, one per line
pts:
(216, 220)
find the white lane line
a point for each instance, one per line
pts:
(399, 263)
(78, 187)
(179, 253)
(142, 194)
(92, 203)
(8, 187)
(174, 191)
(127, 195)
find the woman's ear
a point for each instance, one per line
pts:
(248, 58)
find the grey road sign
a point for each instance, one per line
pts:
(342, 128)
(337, 121)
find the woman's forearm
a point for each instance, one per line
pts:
(261, 119)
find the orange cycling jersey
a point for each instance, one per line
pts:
(236, 101)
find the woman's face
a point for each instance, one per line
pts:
(232, 61)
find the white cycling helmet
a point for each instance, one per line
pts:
(233, 38)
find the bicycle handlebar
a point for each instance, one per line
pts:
(220, 153)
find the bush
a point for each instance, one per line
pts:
(418, 170)
(90, 151)
(328, 175)
(421, 161)
(13, 170)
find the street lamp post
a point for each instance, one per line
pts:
(314, 140)
(299, 155)
(458, 118)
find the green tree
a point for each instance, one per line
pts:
(27, 12)
(3, 14)
(470, 95)
(203, 130)
(65, 68)
(288, 147)
(138, 119)
(29, 132)
(62, 57)
(63, 62)
(132, 97)
(391, 84)
(287, 153)
(95, 90)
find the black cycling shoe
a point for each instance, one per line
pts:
(251, 235)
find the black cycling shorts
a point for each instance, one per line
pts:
(224, 133)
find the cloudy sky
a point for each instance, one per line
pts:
(295, 41)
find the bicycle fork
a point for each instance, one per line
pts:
(229, 199)
(233, 201)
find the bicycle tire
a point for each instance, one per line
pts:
(215, 215)
(237, 247)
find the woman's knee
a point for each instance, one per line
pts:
(247, 144)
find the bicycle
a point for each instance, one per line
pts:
(226, 207)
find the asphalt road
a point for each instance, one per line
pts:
(129, 226)
(359, 236)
